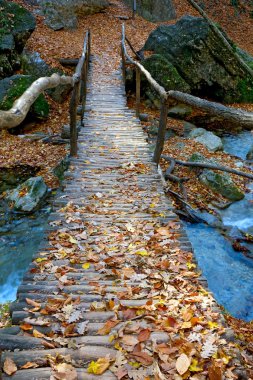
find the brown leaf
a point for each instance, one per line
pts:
(9, 366)
(29, 365)
(64, 371)
(143, 358)
(38, 334)
(32, 303)
(106, 329)
(144, 335)
(129, 340)
(182, 364)
(215, 371)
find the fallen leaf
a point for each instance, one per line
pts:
(106, 329)
(182, 364)
(29, 365)
(9, 366)
(99, 367)
(143, 358)
(144, 335)
(64, 371)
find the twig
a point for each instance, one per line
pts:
(209, 166)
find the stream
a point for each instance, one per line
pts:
(229, 273)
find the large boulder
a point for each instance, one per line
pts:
(201, 59)
(222, 184)
(154, 10)
(62, 14)
(16, 26)
(28, 196)
(212, 142)
(13, 87)
(34, 66)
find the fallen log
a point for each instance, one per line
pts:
(13, 117)
(68, 61)
(208, 166)
(234, 115)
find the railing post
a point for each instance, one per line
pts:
(161, 130)
(134, 8)
(83, 90)
(138, 91)
(73, 117)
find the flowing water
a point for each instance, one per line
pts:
(229, 273)
(19, 240)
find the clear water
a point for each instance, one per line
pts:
(238, 145)
(19, 240)
(229, 274)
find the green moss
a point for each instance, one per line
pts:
(165, 73)
(39, 109)
(245, 88)
(5, 319)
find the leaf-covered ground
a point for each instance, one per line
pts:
(182, 305)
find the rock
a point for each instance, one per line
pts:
(249, 155)
(188, 127)
(144, 117)
(13, 87)
(154, 10)
(28, 196)
(222, 184)
(212, 142)
(63, 14)
(36, 67)
(180, 111)
(17, 24)
(61, 167)
(65, 132)
(166, 75)
(201, 59)
(12, 176)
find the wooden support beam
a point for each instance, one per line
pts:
(138, 91)
(161, 131)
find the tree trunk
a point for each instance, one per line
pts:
(233, 115)
(13, 117)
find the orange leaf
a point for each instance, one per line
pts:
(106, 329)
(26, 327)
(144, 335)
(215, 371)
(29, 365)
(143, 358)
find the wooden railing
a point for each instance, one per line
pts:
(79, 91)
(156, 86)
(234, 116)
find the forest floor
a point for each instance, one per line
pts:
(106, 31)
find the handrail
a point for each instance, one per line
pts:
(232, 115)
(79, 92)
(159, 89)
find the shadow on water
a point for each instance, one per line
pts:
(19, 241)
(229, 274)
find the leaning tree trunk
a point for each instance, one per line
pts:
(13, 117)
(235, 116)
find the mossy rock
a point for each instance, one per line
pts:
(13, 87)
(165, 73)
(202, 60)
(16, 26)
(222, 184)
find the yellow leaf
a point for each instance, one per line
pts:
(86, 266)
(72, 240)
(191, 265)
(40, 259)
(194, 366)
(152, 205)
(99, 367)
(111, 338)
(213, 325)
(135, 364)
(142, 252)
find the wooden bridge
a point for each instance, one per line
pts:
(114, 278)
